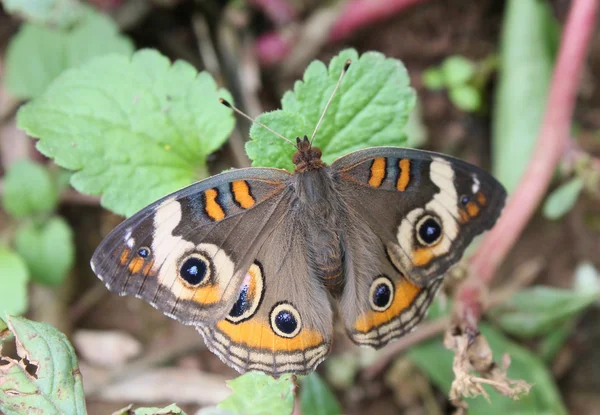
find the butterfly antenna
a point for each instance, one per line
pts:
(243, 114)
(337, 85)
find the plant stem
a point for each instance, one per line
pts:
(551, 143)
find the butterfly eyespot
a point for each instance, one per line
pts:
(429, 230)
(464, 199)
(250, 296)
(285, 320)
(195, 270)
(143, 252)
(381, 294)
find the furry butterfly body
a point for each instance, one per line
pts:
(257, 258)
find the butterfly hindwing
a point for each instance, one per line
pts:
(187, 254)
(282, 319)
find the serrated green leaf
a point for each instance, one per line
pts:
(436, 361)
(539, 310)
(13, 282)
(255, 393)
(55, 386)
(465, 97)
(133, 129)
(457, 70)
(316, 398)
(29, 190)
(562, 199)
(433, 78)
(371, 108)
(46, 53)
(59, 13)
(48, 250)
(520, 99)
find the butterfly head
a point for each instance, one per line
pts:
(306, 157)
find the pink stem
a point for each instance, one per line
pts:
(551, 143)
(279, 11)
(274, 47)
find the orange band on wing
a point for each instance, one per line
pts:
(258, 334)
(136, 265)
(404, 175)
(472, 209)
(378, 170)
(481, 199)
(422, 256)
(404, 295)
(124, 257)
(212, 206)
(241, 194)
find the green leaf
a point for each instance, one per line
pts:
(539, 310)
(168, 410)
(37, 55)
(457, 71)
(436, 361)
(465, 97)
(520, 98)
(371, 108)
(48, 250)
(255, 393)
(54, 386)
(29, 190)
(433, 78)
(562, 199)
(134, 129)
(551, 344)
(13, 283)
(316, 398)
(59, 13)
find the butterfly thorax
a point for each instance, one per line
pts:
(307, 157)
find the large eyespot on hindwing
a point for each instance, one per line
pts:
(285, 320)
(381, 293)
(250, 296)
(428, 230)
(195, 269)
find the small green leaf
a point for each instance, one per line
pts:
(134, 129)
(255, 393)
(371, 108)
(48, 250)
(550, 345)
(54, 387)
(436, 361)
(539, 310)
(316, 397)
(59, 13)
(46, 53)
(465, 97)
(562, 199)
(457, 70)
(13, 283)
(29, 190)
(526, 65)
(169, 410)
(433, 78)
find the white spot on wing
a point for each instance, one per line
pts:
(129, 241)
(476, 183)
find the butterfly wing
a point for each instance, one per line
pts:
(188, 253)
(282, 319)
(417, 212)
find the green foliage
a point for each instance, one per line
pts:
(461, 77)
(436, 361)
(168, 410)
(316, 398)
(526, 67)
(255, 393)
(540, 310)
(371, 108)
(48, 250)
(562, 199)
(29, 190)
(61, 13)
(133, 129)
(46, 53)
(13, 283)
(54, 387)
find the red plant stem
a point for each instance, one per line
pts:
(279, 11)
(552, 141)
(275, 46)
